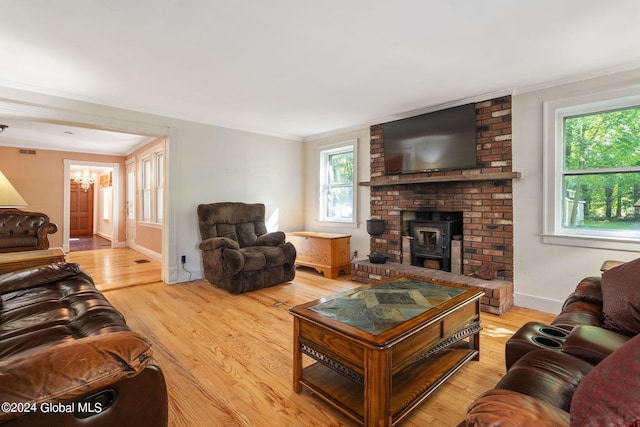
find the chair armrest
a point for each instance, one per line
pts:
(275, 238)
(37, 276)
(66, 371)
(218, 242)
(593, 343)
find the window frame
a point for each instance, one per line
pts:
(151, 184)
(324, 153)
(554, 113)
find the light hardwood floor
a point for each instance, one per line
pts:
(227, 358)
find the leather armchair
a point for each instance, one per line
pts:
(238, 253)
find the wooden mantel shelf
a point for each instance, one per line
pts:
(445, 178)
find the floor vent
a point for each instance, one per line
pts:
(27, 151)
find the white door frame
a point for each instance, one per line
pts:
(66, 221)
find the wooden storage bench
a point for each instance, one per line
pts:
(327, 253)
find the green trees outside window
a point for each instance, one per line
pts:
(601, 171)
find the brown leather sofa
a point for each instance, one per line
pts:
(24, 231)
(582, 370)
(67, 357)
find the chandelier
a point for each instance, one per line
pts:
(85, 179)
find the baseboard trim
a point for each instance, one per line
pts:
(537, 303)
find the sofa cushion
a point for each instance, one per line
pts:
(19, 241)
(507, 408)
(610, 394)
(621, 298)
(37, 276)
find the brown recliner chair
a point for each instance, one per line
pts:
(237, 252)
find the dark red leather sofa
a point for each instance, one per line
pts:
(582, 370)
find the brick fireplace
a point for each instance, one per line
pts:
(485, 204)
(482, 197)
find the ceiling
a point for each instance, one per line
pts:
(300, 68)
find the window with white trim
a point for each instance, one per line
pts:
(337, 190)
(159, 186)
(106, 201)
(152, 186)
(592, 170)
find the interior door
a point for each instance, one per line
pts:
(131, 205)
(81, 218)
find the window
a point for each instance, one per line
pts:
(152, 186)
(337, 189)
(159, 185)
(592, 170)
(146, 189)
(106, 201)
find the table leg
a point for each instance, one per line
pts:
(474, 340)
(377, 388)
(297, 356)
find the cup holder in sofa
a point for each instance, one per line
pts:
(546, 342)
(554, 332)
(533, 336)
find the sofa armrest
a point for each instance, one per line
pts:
(510, 408)
(593, 343)
(218, 242)
(66, 371)
(37, 276)
(41, 234)
(275, 238)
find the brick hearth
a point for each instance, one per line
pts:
(498, 294)
(486, 205)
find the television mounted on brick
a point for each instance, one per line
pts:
(437, 141)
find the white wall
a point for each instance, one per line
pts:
(545, 274)
(360, 240)
(216, 164)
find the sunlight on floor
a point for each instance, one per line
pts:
(496, 331)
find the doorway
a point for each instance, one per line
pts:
(89, 215)
(81, 210)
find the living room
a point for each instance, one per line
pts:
(210, 161)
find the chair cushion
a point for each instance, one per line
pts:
(621, 298)
(262, 257)
(610, 394)
(254, 259)
(246, 232)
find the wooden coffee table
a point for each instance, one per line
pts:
(377, 351)
(13, 261)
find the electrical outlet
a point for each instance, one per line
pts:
(183, 259)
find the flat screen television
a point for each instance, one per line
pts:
(440, 140)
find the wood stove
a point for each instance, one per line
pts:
(431, 242)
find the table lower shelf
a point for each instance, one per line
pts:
(409, 387)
